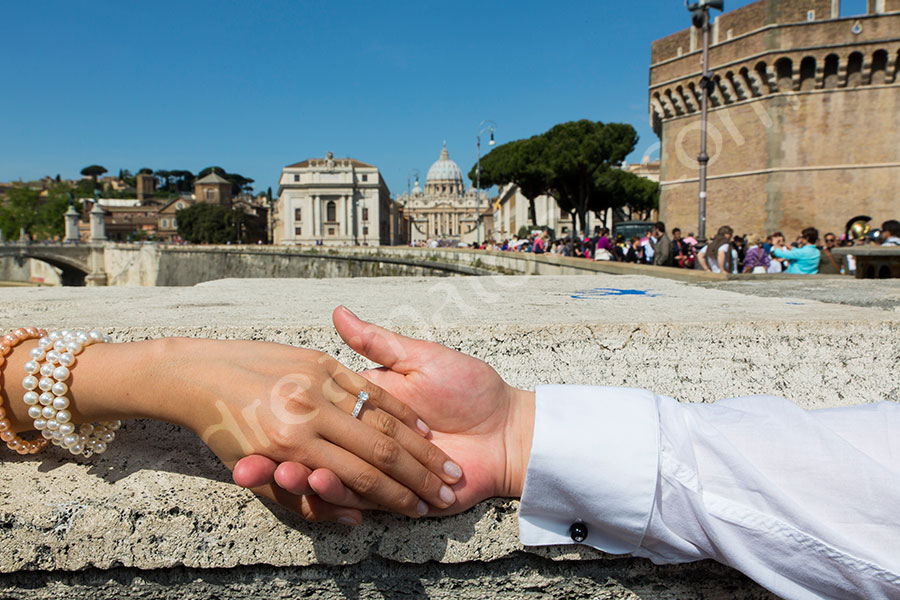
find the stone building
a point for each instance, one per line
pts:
(167, 223)
(512, 212)
(146, 185)
(646, 168)
(335, 201)
(803, 123)
(213, 189)
(124, 218)
(446, 210)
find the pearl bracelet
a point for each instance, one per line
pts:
(7, 435)
(50, 408)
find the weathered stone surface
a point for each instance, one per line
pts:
(518, 577)
(157, 517)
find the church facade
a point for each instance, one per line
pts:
(445, 210)
(334, 202)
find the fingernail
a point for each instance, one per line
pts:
(452, 469)
(350, 311)
(350, 521)
(422, 426)
(447, 495)
(421, 508)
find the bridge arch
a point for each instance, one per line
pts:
(71, 261)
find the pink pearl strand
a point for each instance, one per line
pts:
(13, 441)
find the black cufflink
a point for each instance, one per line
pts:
(578, 531)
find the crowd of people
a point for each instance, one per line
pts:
(809, 253)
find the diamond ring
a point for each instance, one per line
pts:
(360, 400)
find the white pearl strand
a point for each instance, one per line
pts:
(50, 408)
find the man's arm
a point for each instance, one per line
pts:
(792, 254)
(802, 502)
(805, 503)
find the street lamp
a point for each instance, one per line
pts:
(486, 125)
(700, 18)
(271, 216)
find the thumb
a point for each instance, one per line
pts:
(394, 351)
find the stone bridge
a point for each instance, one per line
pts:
(106, 263)
(74, 260)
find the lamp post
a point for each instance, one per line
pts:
(270, 221)
(486, 125)
(700, 18)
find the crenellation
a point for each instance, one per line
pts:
(786, 141)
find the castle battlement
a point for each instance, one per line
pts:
(803, 116)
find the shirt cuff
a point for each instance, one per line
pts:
(594, 459)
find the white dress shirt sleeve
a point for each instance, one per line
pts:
(807, 503)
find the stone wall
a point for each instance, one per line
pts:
(28, 271)
(156, 516)
(767, 173)
(152, 265)
(802, 127)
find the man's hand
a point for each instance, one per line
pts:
(475, 417)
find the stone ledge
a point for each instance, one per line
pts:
(160, 502)
(519, 577)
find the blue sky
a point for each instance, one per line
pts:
(253, 86)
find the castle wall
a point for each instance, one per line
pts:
(767, 173)
(804, 120)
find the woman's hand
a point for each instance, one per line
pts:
(485, 424)
(260, 398)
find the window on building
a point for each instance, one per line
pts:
(785, 70)
(365, 177)
(831, 71)
(854, 69)
(210, 195)
(298, 231)
(331, 212)
(365, 214)
(365, 231)
(165, 222)
(331, 231)
(179, 206)
(298, 214)
(808, 73)
(175, 223)
(879, 67)
(296, 178)
(810, 15)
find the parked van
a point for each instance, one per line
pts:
(628, 229)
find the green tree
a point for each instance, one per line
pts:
(619, 189)
(93, 171)
(51, 212)
(574, 162)
(40, 217)
(575, 153)
(165, 179)
(19, 211)
(184, 180)
(519, 162)
(205, 223)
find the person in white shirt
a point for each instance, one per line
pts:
(716, 257)
(803, 502)
(890, 233)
